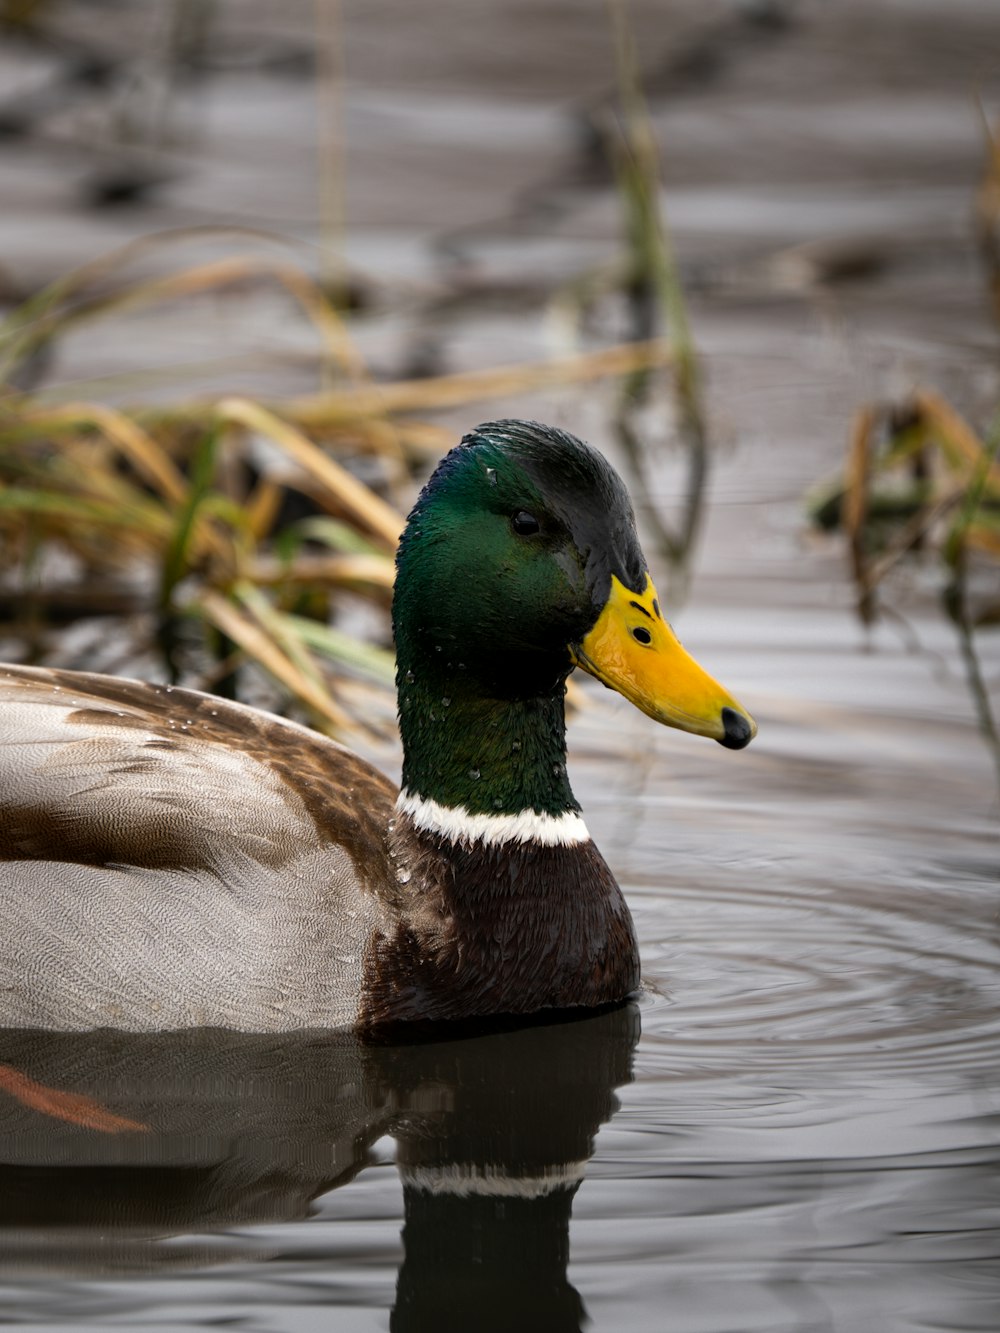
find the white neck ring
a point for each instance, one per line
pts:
(457, 824)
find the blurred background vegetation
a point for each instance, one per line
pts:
(261, 264)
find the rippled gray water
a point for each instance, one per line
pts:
(797, 1128)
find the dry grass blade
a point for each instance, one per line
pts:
(975, 492)
(88, 275)
(984, 539)
(437, 392)
(262, 507)
(956, 597)
(147, 457)
(146, 527)
(338, 570)
(910, 537)
(280, 627)
(344, 489)
(963, 447)
(353, 410)
(377, 663)
(421, 438)
(331, 328)
(45, 317)
(260, 646)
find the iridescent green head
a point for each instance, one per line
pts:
(520, 560)
(508, 554)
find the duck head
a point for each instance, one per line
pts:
(520, 561)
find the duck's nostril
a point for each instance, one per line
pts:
(739, 730)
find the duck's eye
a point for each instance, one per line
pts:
(642, 635)
(525, 524)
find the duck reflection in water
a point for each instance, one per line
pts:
(110, 1142)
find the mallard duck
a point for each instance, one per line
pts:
(172, 860)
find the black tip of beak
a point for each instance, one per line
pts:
(739, 732)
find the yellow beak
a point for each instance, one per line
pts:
(633, 650)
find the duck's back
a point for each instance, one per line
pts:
(169, 859)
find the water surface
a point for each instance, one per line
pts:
(797, 1127)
